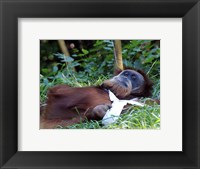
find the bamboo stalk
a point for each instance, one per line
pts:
(118, 55)
(63, 47)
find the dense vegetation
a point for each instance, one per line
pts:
(91, 62)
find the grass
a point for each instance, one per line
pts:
(133, 117)
(147, 117)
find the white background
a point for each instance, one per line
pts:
(168, 138)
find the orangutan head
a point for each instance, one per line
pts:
(128, 84)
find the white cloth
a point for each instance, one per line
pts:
(114, 112)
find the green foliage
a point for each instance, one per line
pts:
(97, 60)
(47, 60)
(144, 55)
(92, 63)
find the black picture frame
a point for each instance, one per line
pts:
(11, 10)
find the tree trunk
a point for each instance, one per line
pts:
(118, 55)
(64, 50)
(63, 47)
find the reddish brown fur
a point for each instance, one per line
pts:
(148, 85)
(67, 105)
(83, 99)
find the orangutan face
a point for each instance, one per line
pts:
(128, 82)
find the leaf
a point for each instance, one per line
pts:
(98, 42)
(46, 81)
(45, 70)
(85, 51)
(75, 64)
(68, 59)
(64, 58)
(51, 57)
(137, 64)
(74, 55)
(107, 48)
(55, 69)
